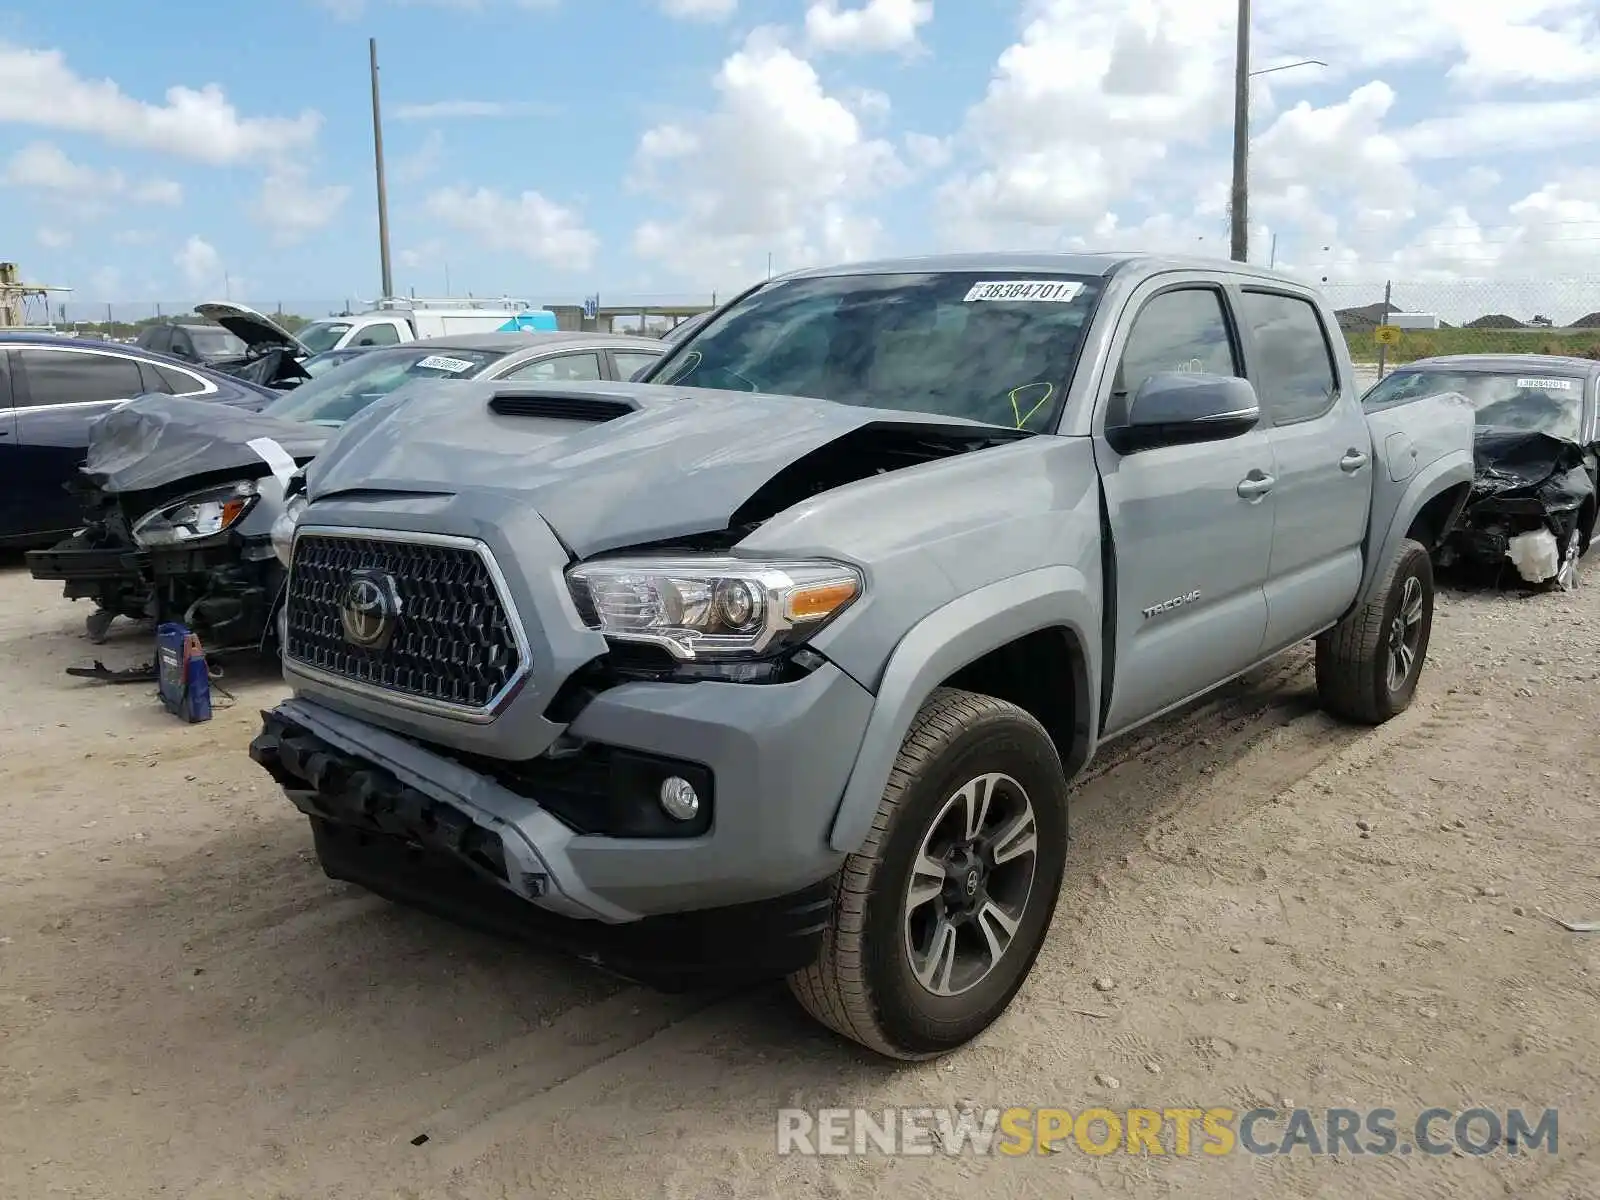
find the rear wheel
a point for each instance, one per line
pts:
(938, 918)
(1368, 665)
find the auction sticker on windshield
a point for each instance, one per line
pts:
(1054, 291)
(438, 362)
(1546, 385)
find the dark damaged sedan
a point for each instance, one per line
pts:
(183, 497)
(1533, 499)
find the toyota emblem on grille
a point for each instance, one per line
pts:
(369, 608)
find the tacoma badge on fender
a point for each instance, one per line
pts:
(1169, 605)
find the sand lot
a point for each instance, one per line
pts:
(188, 1007)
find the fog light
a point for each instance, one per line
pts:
(679, 800)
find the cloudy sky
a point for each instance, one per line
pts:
(661, 148)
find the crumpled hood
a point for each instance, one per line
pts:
(158, 440)
(1514, 460)
(665, 461)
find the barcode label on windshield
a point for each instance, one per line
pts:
(438, 362)
(1054, 291)
(1548, 385)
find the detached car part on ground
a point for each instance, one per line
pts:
(705, 678)
(183, 496)
(1536, 479)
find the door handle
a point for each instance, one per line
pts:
(1353, 460)
(1253, 487)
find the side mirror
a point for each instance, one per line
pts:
(1175, 408)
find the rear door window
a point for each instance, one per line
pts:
(74, 377)
(631, 362)
(562, 368)
(1294, 363)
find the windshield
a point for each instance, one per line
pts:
(337, 395)
(213, 341)
(1551, 404)
(322, 335)
(986, 347)
(320, 364)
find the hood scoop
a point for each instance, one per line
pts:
(557, 407)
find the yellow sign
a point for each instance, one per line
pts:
(1387, 335)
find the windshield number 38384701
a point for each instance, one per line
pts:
(1056, 291)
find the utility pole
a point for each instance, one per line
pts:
(383, 189)
(1239, 205)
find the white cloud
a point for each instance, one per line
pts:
(1139, 127)
(927, 151)
(53, 239)
(428, 254)
(528, 224)
(157, 191)
(1505, 127)
(700, 10)
(38, 88)
(1055, 148)
(874, 26)
(292, 207)
(43, 167)
(199, 262)
(423, 161)
(447, 110)
(779, 166)
(1344, 144)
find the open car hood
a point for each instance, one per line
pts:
(256, 330)
(610, 465)
(1523, 471)
(155, 441)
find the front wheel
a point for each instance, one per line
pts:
(1368, 664)
(938, 918)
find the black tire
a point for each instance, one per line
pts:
(1353, 658)
(863, 985)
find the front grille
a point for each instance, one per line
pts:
(451, 642)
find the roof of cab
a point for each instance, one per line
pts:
(1102, 263)
(1504, 362)
(506, 343)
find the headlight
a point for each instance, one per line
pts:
(201, 515)
(283, 527)
(698, 608)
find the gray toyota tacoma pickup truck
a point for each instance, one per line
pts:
(782, 658)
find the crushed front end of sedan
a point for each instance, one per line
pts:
(1534, 491)
(1533, 503)
(184, 501)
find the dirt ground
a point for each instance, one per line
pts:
(188, 1007)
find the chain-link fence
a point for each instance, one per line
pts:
(1418, 318)
(123, 319)
(1399, 321)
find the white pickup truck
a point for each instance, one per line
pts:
(389, 324)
